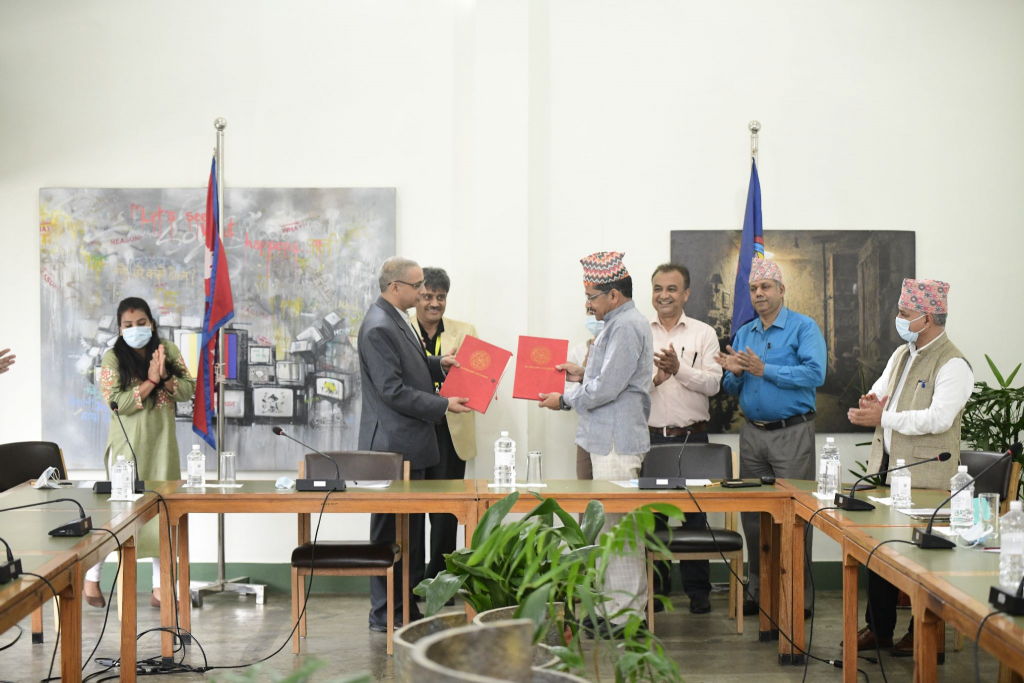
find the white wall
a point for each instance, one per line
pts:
(524, 135)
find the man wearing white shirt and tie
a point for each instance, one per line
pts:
(915, 408)
(685, 376)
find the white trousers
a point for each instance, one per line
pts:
(625, 578)
(96, 571)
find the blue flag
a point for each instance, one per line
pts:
(751, 247)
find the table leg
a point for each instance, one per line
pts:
(793, 606)
(129, 610)
(166, 605)
(769, 586)
(70, 605)
(850, 616)
(926, 634)
(184, 578)
(406, 560)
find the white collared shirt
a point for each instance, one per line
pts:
(954, 383)
(682, 399)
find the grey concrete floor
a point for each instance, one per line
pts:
(233, 630)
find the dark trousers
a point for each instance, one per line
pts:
(443, 527)
(696, 573)
(881, 611)
(382, 530)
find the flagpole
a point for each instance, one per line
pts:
(222, 584)
(755, 127)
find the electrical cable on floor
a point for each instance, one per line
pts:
(814, 594)
(16, 639)
(110, 599)
(977, 638)
(746, 591)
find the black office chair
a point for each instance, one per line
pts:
(697, 461)
(20, 462)
(999, 479)
(26, 460)
(346, 558)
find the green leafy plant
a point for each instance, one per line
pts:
(994, 416)
(534, 564)
(862, 466)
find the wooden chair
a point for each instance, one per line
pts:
(20, 462)
(698, 461)
(346, 558)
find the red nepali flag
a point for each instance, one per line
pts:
(220, 308)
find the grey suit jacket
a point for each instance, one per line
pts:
(400, 407)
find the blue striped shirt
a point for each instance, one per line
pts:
(793, 352)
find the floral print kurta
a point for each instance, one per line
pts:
(150, 426)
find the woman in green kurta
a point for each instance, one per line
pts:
(146, 376)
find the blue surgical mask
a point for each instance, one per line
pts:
(594, 325)
(903, 328)
(137, 337)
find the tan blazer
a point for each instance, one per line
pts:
(463, 425)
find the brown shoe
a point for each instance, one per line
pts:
(154, 598)
(866, 640)
(904, 648)
(93, 594)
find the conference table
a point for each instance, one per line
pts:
(64, 560)
(944, 585)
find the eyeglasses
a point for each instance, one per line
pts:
(414, 285)
(591, 297)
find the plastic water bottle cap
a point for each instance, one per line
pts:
(900, 462)
(961, 468)
(504, 433)
(120, 457)
(829, 440)
(1015, 505)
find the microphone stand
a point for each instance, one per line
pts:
(852, 504)
(337, 484)
(675, 483)
(929, 540)
(140, 486)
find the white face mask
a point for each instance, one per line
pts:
(137, 337)
(903, 328)
(594, 325)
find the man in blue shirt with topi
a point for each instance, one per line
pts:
(780, 363)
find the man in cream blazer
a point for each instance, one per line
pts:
(456, 436)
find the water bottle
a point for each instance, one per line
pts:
(899, 484)
(196, 467)
(504, 461)
(121, 479)
(962, 517)
(828, 469)
(1011, 550)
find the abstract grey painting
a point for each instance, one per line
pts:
(303, 265)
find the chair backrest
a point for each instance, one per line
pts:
(996, 480)
(26, 460)
(355, 465)
(698, 461)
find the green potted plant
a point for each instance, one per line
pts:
(994, 416)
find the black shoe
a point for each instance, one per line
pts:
(659, 606)
(807, 613)
(604, 629)
(750, 608)
(383, 628)
(700, 604)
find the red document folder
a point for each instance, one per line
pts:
(535, 367)
(481, 367)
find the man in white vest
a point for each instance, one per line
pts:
(915, 408)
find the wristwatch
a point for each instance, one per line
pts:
(562, 405)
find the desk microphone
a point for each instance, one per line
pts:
(337, 484)
(140, 486)
(11, 569)
(852, 504)
(929, 540)
(677, 482)
(78, 527)
(1003, 600)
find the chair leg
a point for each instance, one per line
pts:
(737, 590)
(296, 592)
(391, 609)
(303, 605)
(37, 625)
(650, 593)
(958, 640)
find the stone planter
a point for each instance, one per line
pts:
(488, 653)
(553, 638)
(406, 638)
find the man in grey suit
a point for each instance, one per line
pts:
(400, 408)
